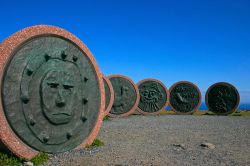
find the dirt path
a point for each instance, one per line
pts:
(166, 140)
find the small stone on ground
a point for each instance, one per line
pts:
(208, 145)
(28, 163)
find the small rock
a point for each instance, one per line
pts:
(28, 163)
(179, 146)
(208, 145)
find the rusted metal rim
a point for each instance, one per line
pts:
(111, 91)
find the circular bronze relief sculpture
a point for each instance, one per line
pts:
(50, 92)
(153, 96)
(185, 97)
(126, 96)
(109, 95)
(222, 98)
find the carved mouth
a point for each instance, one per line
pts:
(150, 99)
(61, 113)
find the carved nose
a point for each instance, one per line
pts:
(60, 102)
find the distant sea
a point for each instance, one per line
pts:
(242, 106)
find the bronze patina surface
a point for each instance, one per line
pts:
(51, 91)
(185, 97)
(126, 96)
(153, 96)
(222, 98)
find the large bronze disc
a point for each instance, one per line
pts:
(185, 97)
(153, 97)
(126, 96)
(222, 98)
(109, 95)
(52, 95)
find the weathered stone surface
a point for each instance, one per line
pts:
(126, 96)
(109, 95)
(185, 97)
(52, 92)
(154, 97)
(222, 98)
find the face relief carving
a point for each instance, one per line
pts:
(150, 95)
(51, 92)
(58, 91)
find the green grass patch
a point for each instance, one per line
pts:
(241, 113)
(40, 159)
(11, 160)
(204, 112)
(236, 114)
(136, 112)
(96, 143)
(168, 112)
(106, 118)
(7, 159)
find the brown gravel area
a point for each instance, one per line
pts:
(166, 140)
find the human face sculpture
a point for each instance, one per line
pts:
(150, 95)
(58, 93)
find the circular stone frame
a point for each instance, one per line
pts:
(132, 110)
(8, 138)
(112, 96)
(200, 97)
(167, 101)
(227, 84)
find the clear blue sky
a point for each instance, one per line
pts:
(202, 41)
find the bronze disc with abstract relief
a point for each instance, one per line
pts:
(185, 97)
(126, 96)
(51, 89)
(153, 96)
(222, 98)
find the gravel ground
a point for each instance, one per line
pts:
(166, 140)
